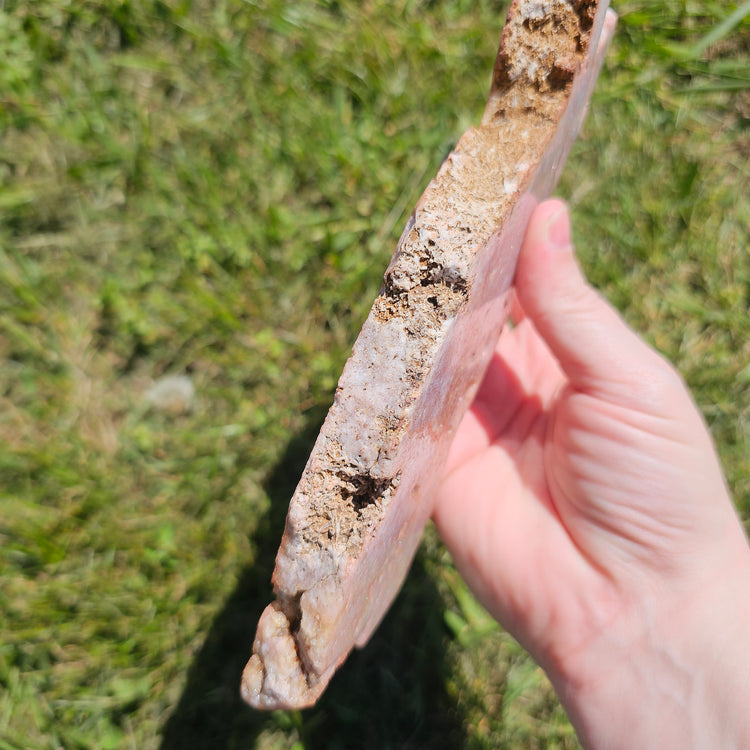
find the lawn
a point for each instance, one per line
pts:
(213, 190)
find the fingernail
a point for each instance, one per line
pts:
(558, 228)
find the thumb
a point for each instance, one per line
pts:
(594, 346)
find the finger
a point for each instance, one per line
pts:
(596, 349)
(521, 380)
(494, 404)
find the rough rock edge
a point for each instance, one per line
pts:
(355, 469)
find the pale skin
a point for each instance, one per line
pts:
(585, 505)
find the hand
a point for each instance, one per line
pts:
(585, 506)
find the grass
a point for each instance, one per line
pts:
(214, 188)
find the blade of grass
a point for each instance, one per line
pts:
(721, 30)
(713, 88)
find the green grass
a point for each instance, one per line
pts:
(214, 188)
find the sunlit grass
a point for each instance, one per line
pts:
(214, 189)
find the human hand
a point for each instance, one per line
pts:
(585, 506)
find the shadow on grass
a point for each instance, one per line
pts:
(391, 694)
